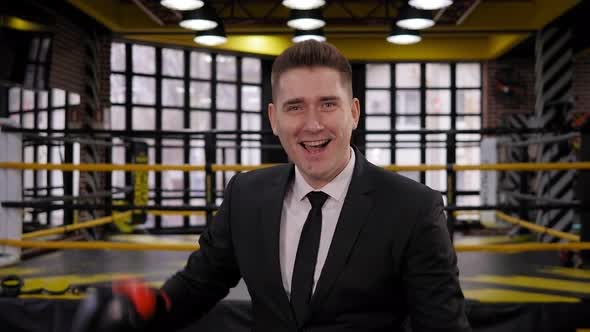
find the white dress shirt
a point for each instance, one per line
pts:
(296, 207)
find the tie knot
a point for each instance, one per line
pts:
(317, 199)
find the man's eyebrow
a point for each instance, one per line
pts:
(329, 98)
(292, 101)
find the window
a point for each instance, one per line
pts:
(175, 89)
(432, 96)
(46, 112)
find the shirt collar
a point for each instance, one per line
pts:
(336, 188)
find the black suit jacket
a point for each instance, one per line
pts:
(390, 258)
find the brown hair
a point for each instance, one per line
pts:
(311, 53)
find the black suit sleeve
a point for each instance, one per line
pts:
(430, 274)
(209, 273)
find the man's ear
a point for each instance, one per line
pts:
(356, 112)
(272, 117)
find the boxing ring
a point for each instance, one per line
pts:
(511, 283)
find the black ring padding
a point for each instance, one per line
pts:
(11, 286)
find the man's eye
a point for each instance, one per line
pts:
(293, 108)
(329, 105)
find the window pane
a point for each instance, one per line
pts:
(172, 120)
(438, 101)
(438, 75)
(172, 92)
(407, 75)
(42, 120)
(118, 157)
(28, 100)
(250, 152)
(200, 94)
(172, 62)
(408, 157)
(15, 117)
(197, 157)
(251, 122)
(144, 59)
(468, 122)
(377, 123)
(436, 179)
(117, 89)
(28, 120)
(200, 65)
(437, 123)
(407, 102)
(378, 102)
(144, 90)
(144, 118)
(378, 76)
(251, 72)
(173, 220)
(226, 121)
(58, 119)
(407, 123)
(251, 96)
(378, 156)
(200, 121)
(226, 96)
(468, 101)
(117, 57)
(43, 99)
(468, 180)
(468, 75)
(73, 99)
(117, 118)
(226, 68)
(13, 99)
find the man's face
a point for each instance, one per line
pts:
(313, 116)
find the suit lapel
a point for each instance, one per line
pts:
(270, 225)
(355, 209)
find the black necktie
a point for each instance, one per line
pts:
(307, 254)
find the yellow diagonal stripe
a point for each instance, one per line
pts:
(491, 295)
(534, 282)
(566, 272)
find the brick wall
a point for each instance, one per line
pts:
(71, 57)
(581, 85)
(508, 88)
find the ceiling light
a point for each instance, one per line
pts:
(403, 36)
(302, 35)
(200, 19)
(414, 19)
(212, 37)
(306, 19)
(430, 4)
(303, 4)
(182, 4)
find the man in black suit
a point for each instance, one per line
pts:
(329, 242)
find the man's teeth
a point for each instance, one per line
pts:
(314, 144)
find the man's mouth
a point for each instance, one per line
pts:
(315, 146)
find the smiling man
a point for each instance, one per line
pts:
(329, 242)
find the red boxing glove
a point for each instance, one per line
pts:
(128, 305)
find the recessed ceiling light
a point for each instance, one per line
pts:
(302, 35)
(430, 4)
(182, 4)
(403, 36)
(303, 4)
(306, 19)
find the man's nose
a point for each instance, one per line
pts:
(313, 121)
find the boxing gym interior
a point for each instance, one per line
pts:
(122, 122)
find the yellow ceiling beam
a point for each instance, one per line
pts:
(492, 29)
(430, 49)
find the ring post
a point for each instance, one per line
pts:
(10, 190)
